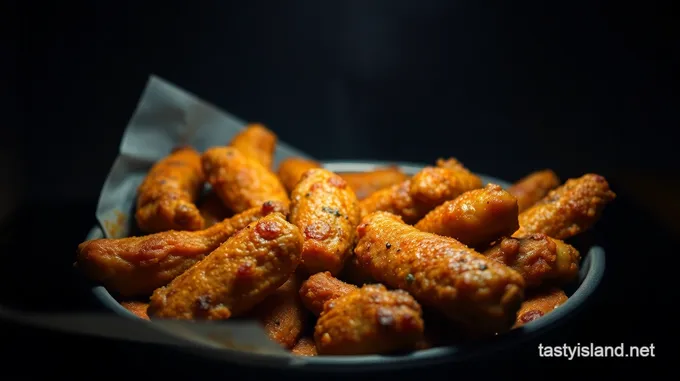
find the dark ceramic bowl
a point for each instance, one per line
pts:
(590, 276)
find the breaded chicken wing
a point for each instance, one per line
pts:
(166, 197)
(256, 142)
(282, 313)
(478, 293)
(370, 320)
(365, 183)
(242, 183)
(136, 266)
(475, 218)
(538, 258)
(305, 347)
(321, 288)
(137, 308)
(533, 187)
(327, 212)
(291, 170)
(540, 304)
(568, 210)
(212, 209)
(235, 277)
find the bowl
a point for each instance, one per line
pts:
(590, 275)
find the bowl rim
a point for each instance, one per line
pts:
(591, 273)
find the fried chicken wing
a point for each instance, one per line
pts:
(137, 308)
(235, 277)
(212, 209)
(568, 210)
(540, 304)
(414, 198)
(136, 266)
(538, 258)
(478, 293)
(365, 183)
(321, 288)
(282, 313)
(533, 187)
(241, 182)
(327, 212)
(305, 347)
(369, 320)
(291, 170)
(474, 218)
(166, 197)
(256, 142)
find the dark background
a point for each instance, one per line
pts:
(508, 89)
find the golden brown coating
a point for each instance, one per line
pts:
(327, 212)
(282, 313)
(291, 170)
(321, 288)
(305, 347)
(540, 304)
(136, 266)
(370, 320)
(568, 210)
(241, 182)
(478, 293)
(137, 308)
(451, 163)
(365, 183)
(235, 277)
(212, 209)
(166, 197)
(414, 198)
(256, 142)
(538, 258)
(533, 187)
(474, 218)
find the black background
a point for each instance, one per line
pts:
(506, 88)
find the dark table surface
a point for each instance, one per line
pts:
(37, 276)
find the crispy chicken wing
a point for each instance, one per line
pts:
(478, 293)
(540, 304)
(327, 212)
(291, 170)
(136, 266)
(241, 182)
(365, 183)
(321, 288)
(256, 142)
(282, 313)
(474, 218)
(235, 277)
(369, 320)
(532, 188)
(166, 197)
(538, 258)
(568, 210)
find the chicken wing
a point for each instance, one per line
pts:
(291, 170)
(538, 305)
(474, 218)
(256, 142)
(568, 210)
(166, 197)
(370, 320)
(235, 277)
(321, 288)
(478, 293)
(241, 182)
(365, 183)
(136, 266)
(282, 313)
(538, 258)
(532, 188)
(327, 212)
